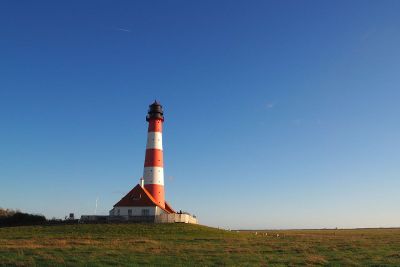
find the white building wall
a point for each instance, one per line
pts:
(136, 211)
(176, 218)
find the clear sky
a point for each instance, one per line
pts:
(279, 114)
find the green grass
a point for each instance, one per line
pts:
(193, 245)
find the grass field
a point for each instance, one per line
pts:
(193, 245)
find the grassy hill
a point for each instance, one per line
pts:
(189, 245)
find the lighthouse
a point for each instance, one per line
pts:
(153, 173)
(147, 199)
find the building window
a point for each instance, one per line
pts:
(145, 212)
(129, 212)
(118, 212)
(133, 197)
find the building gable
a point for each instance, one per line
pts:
(140, 197)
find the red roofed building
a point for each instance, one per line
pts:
(139, 202)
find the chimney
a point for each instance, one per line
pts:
(141, 182)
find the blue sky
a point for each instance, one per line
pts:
(279, 114)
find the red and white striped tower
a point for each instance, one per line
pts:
(153, 174)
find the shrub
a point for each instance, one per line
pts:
(16, 218)
(6, 212)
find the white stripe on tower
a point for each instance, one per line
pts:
(154, 140)
(153, 175)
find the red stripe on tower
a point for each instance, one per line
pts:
(153, 174)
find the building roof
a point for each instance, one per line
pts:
(139, 196)
(169, 208)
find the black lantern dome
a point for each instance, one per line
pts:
(155, 112)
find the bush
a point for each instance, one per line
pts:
(16, 218)
(6, 212)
